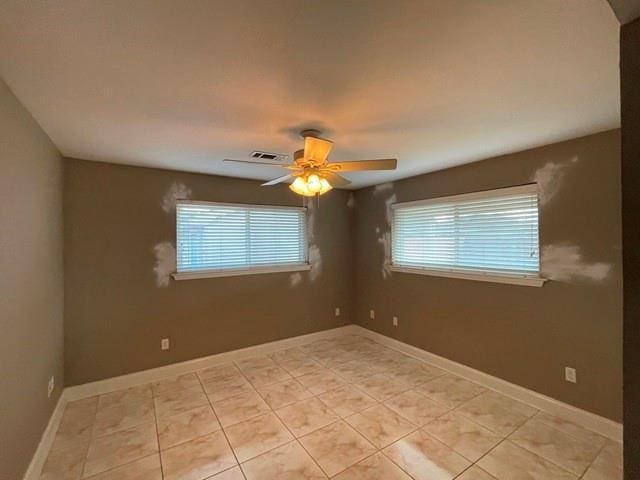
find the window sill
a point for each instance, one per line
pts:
(482, 277)
(240, 271)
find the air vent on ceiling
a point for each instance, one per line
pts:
(269, 157)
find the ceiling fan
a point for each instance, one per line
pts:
(312, 174)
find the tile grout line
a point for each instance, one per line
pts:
(508, 437)
(418, 428)
(155, 416)
(537, 414)
(376, 450)
(504, 439)
(593, 461)
(272, 410)
(117, 431)
(475, 463)
(297, 439)
(391, 459)
(473, 420)
(119, 466)
(340, 419)
(359, 461)
(221, 427)
(86, 456)
(484, 455)
(93, 424)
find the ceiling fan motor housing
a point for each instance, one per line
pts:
(310, 132)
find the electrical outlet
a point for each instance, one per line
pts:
(51, 386)
(372, 314)
(570, 374)
(395, 321)
(337, 311)
(164, 344)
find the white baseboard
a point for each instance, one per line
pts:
(46, 441)
(603, 426)
(138, 378)
(596, 423)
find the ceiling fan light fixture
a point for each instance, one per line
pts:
(313, 183)
(310, 185)
(299, 186)
(325, 186)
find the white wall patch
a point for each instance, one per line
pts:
(549, 179)
(165, 263)
(383, 187)
(385, 241)
(177, 191)
(351, 200)
(389, 210)
(384, 234)
(295, 279)
(311, 221)
(315, 259)
(165, 252)
(564, 263)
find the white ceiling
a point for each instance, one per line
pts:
(435, 83)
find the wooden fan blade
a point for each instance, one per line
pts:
(275, 181)
(316, 149)
(334, 179)
(382, 164)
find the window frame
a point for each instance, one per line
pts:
(533, 280)
(232, 272)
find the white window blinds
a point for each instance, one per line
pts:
(493, 232)
(217, 236)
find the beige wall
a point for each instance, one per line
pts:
(525, 335)
(115, 312)
(31, 283)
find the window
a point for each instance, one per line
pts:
(220, 239)
(489, 235)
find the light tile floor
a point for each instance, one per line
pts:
(345, 408)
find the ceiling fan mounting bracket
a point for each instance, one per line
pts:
(310, 132)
